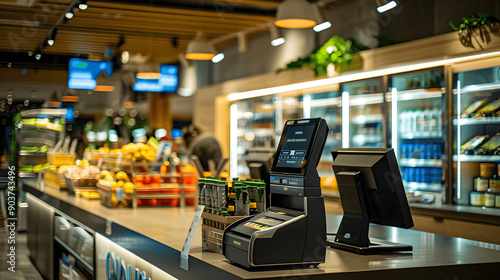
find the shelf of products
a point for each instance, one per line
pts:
(476, 103)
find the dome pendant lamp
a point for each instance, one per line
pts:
(295, 14)
(200, 48)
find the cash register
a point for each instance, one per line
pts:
(292, 231)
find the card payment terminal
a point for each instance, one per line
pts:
(293, 229)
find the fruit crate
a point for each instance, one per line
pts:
(165, 195)
(212, 230)
(57, 159)
(54, 179)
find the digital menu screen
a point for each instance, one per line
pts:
(263, 223)
(82, 73)
(167, 82)
(295, 146)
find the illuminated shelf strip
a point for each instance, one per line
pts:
(420, 162)
(476, 88)
(352, 77)
(474, 158)
(471, 121)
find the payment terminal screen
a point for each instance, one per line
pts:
(295, 145)
(263, 223)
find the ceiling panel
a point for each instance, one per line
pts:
(148, 27)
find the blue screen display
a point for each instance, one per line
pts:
(82, 73)
(166, 83)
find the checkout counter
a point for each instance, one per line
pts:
(156, 236)
(150, 240)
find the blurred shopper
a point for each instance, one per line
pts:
(202, 145)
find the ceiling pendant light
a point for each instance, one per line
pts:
(295, 14)
(200, 48)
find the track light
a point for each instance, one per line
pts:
(322, 23)
(218, 58)
(38, 54)
(200, 48)
(68, 15)
(52, 38)
(295, 14)
(385, 5)
(276, 37)
(83, 5)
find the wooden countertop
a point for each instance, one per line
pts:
(433, 257)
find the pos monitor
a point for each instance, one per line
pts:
(371, 191)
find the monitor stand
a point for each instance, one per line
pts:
(352, 234)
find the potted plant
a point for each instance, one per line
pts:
(335, 54)
(480, 24)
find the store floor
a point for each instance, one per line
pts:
(24, 269)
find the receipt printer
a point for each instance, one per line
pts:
(292, 231)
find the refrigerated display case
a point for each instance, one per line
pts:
(417, 132)
(476, 123)
(327, 105)
(258, 124)
(364, 120)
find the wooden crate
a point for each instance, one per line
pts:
(212, 230)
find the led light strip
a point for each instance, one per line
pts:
(458, 139)
(352, 77)
(233, 141)
(345, 119)
(394, 120)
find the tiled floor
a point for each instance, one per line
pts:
(24, 269)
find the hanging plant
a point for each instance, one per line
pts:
(335, 51)
(473, 26)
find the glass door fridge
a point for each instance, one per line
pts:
(327, 105)
(252, 127)
(364, 114)
(476, 124)
(418, 132)
(256, 126)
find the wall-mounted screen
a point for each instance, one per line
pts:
(82, 73)
(167, 81)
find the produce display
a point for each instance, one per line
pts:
(43, 123)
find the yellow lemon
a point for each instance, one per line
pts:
(122, 176)
(120, 184)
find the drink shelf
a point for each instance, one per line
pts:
(421, 135)
(477, 88)
(478, 121)
(420, 162)
(478, 158)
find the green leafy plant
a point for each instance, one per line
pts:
(336, 51)
(476, 24)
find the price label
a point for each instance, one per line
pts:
(190, 237)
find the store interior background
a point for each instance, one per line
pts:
(357, 19)
(25, 78)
